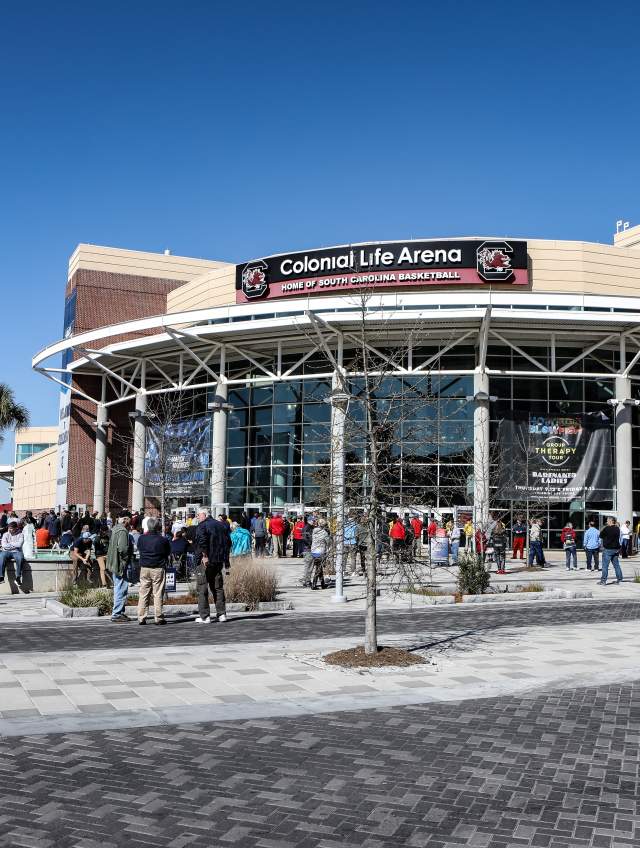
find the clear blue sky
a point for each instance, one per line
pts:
(233, 130)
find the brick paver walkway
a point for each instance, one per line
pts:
(557, 769)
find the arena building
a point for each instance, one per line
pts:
(530, 350)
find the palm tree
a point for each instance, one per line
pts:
(12, 415)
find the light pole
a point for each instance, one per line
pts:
(339, 400)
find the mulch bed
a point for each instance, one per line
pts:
(386, 656)
(172, 600)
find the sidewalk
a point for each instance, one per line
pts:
(43, 692)
(555, 576)
(30, 607)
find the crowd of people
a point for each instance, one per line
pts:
(138, 548)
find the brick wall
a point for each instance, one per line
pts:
(105, 298)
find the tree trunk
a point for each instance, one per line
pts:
(371, 627)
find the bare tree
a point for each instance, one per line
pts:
(378, 421)
(177, 450)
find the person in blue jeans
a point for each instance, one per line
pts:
(568, 539)
(591, 544)
(12, 542)
(610, 535)
(535, 544)
(119, 556)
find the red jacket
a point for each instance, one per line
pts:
(417, 527)
(481, 541)
(397, 530)
(567, 534)
(431, 529)
(276, 527)
(298, 530)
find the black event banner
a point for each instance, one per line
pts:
(557, 458)
(177, 457)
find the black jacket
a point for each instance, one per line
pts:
(213, 539)
(307, 533)
(154, 550)
(610, 535)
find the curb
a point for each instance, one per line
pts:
(63, 611)
(501, 597)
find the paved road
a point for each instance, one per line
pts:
(101, 634)
(557, 769)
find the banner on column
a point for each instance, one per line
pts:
(555, 457)
(177, 458)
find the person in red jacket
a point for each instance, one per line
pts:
(432, 527)
(276, 528)
(298, 536)
(397, 535)
(481, 543)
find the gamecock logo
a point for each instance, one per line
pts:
(494, 261)
(254, 279)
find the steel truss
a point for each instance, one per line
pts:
(260, 351)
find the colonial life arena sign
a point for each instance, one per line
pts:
(383, 265)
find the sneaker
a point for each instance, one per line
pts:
(618, 581)
(601, 583)
(142, 621)
(205, 620)
(162, 620)
(120, 619)
(222, 617)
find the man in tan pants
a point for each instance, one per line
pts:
(154, 552)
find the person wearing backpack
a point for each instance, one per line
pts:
(259, 531)
(305, 546)
(568, 539)
(319, 548)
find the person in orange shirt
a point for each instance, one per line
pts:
(43, 538)
(397, 536)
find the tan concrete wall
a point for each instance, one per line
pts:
(214, 288)
(34, 482)
(115, 260)
(628, 238)
(37, 435)
(579, 267)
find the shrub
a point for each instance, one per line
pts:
(429, 591)
(636, 577)
(531, 587)
(250, 584)
(80, 596)
(473, 577)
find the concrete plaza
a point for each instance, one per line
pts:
(520, 729)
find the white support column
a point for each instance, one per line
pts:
(339, 403)
(481, 448)
(100, 468)
(220, 414)
(624, 480)
(139, 451)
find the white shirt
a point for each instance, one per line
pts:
(12, 541)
